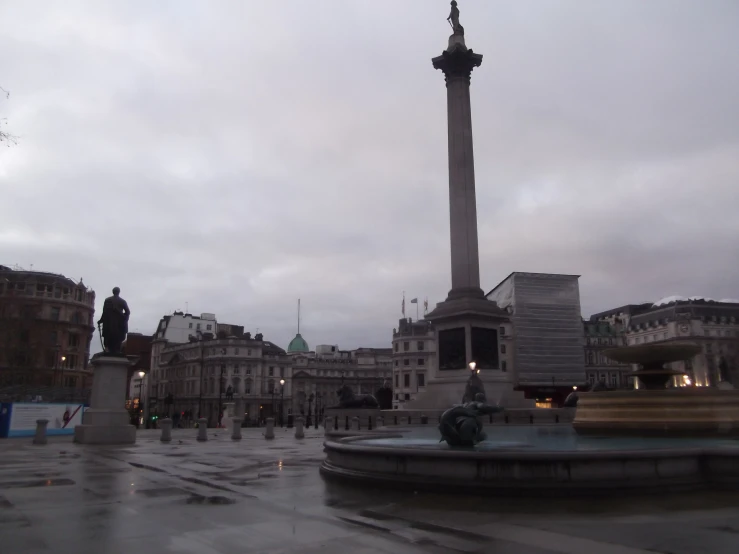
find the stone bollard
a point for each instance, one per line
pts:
(380, 421)
(269, 428)
(355, 424)
(424, 419)
(166, 424)
(40, 436)
(236, 431)
(299, 434)
(329, 423)
(203, 429)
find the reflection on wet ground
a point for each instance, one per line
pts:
(259, 496)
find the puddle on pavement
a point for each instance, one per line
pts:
(209, 500)
(35, 483)
(161, 492)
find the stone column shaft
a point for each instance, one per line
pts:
(462, 202)
(457, 66)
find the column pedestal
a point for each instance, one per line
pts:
(107, 421)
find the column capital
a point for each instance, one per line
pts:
(457, 64)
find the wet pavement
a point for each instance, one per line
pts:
(264, 496)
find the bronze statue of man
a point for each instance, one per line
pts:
(453, 19)
(115, 322)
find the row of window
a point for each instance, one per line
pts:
(211, 386)
(49, 291)
(420, 380)
(420, 345)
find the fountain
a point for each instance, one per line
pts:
(596, 455)
(655, 409)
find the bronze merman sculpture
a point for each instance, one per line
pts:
(459, 425)
(114, 322)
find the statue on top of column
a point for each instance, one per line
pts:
(453, 19)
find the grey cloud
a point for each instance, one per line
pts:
(238, 155)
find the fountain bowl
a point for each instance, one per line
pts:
(534, 460)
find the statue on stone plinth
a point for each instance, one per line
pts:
(114, 323)
(453, 19)
(459, 425)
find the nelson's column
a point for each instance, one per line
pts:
(467, 325)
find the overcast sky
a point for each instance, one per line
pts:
(238, 155)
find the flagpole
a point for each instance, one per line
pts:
(416, 310)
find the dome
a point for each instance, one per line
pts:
(298, 344)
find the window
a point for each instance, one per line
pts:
(73, 341)
(406, 362)
(420, 345)
(189, 325)
(55, 312)
(406, 380)
(503, 365)
(248, 370)
(271, 371)
(421, 379)
(406, 346)
(248, 351)
(282, 372)
(396, 346)
(208, 327)
(502, 348)
(591, 378)
(502, 331)
(407, 396)
(197, 326)
(614, 379)
(247, 386)
(420, 361)
(236, 370)
(590, 358)
(396, 381)
(53, 338)
(236, 351)
(396, 363)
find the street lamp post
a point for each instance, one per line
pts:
(220, 395)
(61, 377)
(142, 374)
(318, 413)
(282, 401)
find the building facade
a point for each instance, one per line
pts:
(599, 368)
(547, 333)
(46, 328)
(714, 325)
(180, 327)
(200, 377)
(317, 376)
(413, 353)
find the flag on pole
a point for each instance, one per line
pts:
(414, 301)
(425, 306)
(402, 306)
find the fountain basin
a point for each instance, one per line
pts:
(535, 460)
(698, 411)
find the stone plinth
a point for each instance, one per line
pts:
(107, 421)
(698, 411)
